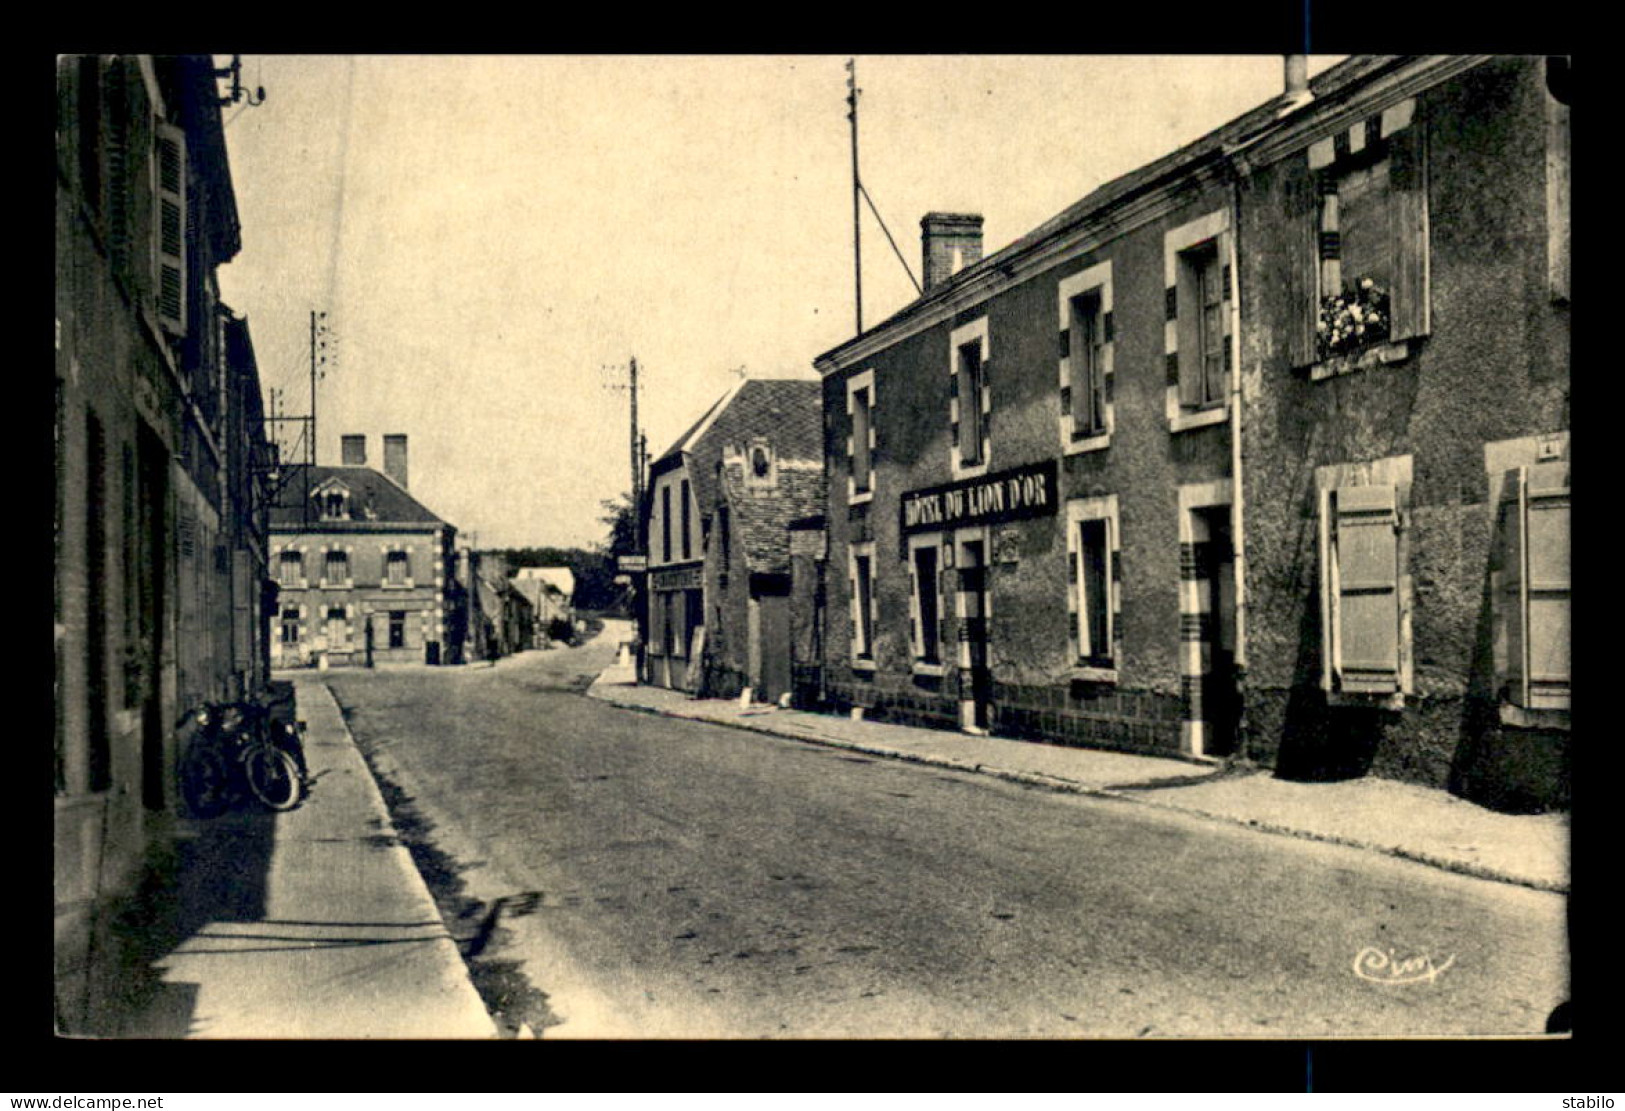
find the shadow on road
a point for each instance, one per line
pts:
(476, 926)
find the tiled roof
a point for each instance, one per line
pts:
(760, 517)
(374, 498)
(787, 412)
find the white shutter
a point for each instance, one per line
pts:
(1365, 601)
(169, 228)
(1546, 583)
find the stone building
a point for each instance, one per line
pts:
(1257, 452)
(366, 574)
(161, 465)
(720, 500)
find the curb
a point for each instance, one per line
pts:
(403, 859)
(1073, 787)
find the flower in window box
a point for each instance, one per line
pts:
(1352, 319)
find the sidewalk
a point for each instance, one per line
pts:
(313, 923)
(1400, 819)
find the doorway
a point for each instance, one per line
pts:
(1216, 709)
(975, 677)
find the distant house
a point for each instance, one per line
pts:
(550, 592)
(366, 573)
(718, 586)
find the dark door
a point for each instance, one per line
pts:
(150, 578)
(976, 681)
(1220, 701)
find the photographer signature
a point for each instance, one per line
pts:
(1382, 967)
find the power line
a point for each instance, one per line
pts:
(918, 289)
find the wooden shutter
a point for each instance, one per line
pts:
(169, 228)
(1546, 585)
(1185, 309)
(1301, 235)
(1512, 604)
(1408, 184)
(1365, 600)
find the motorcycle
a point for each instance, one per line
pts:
(237, 750)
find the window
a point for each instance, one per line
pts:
(291, 568)
(925, 626)
(970, 385)
(860, 444)
(1201, 374)
(724, 542)
(90, 129)
(761, 461)
(665, 524)
(676, 634)
(333, 506)
(688, 523)
(1085, 303)
(1092, 595)
(396, 568)
(863, 603)
(1361, 282)
(969, 399)
(1532, 604)
(1360, 589)
(397, 628)
(290, 625)
(1087, 391)
(1197, 334)
(337, 628)
(337, 568)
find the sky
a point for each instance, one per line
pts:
(493, 238)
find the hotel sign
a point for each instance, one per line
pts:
(1007, 496)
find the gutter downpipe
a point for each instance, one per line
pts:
(1235, 165)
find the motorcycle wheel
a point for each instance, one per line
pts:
(205, 782)
(273, 777)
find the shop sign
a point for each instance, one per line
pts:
(630, 563)
(1011, 495)
(682, 578)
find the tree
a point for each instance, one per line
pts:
(622, 518)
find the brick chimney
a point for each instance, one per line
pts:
(395, 458)
(1296, 92)
(354, 451)
(949, 242)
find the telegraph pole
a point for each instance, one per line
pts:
(320, 356)
(313, 387)
(637, 475)
(852, 92)
(635, 441)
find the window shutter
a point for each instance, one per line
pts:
(243, 605)
(1185, 309)
(1302, 232)
(1546, 544)
(1512, 604)
(860, 440)
(1366, 599)
(169, 253)
(1408, 192)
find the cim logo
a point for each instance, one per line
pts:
(1382, 966)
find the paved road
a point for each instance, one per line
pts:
(671, 878)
